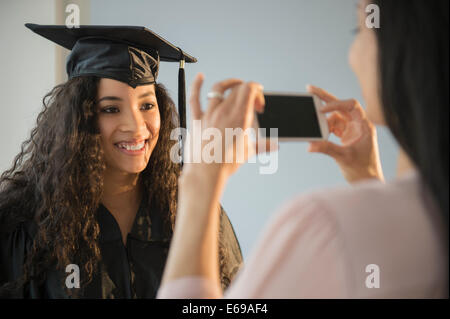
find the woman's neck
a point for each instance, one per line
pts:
(120, 189)
(122, 196)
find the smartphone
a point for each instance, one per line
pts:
(295, 115)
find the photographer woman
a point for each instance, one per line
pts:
(321, 245)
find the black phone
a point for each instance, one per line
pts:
(295, 115)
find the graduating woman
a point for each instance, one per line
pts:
(88, 207)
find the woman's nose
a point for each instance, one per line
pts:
(133, 121)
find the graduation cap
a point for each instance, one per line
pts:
(129, 54)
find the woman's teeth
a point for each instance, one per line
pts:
(131, 147)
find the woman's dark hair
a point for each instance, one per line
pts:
(57, 181)
(413, 75)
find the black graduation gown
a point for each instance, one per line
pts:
(131, 271)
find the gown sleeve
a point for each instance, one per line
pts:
(14, 242)
(230, 255)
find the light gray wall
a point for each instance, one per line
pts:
(27, 71)
(282, 44)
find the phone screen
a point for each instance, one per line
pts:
(294, 116)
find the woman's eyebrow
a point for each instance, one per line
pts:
(116, 98)
(147, 94)
(111, 98)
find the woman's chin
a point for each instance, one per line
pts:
(127, 164)
(131, 168)
(134, 169)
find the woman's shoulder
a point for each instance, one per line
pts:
(320, 244)
(389, 225)
(15, 241)
(367, 202)
(400, 206)
(18, 233)
(364, 192)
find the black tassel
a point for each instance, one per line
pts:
(182, 102)
(182, 97)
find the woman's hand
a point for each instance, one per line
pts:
(236, 111)
(357, 156)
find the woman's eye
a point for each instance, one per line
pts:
(147, 106)
(110, 109)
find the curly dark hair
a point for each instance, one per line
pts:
(57, 180)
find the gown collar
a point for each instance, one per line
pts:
(147, 225)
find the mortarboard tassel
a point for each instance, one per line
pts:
(182, 100)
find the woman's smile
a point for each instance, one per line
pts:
(132, 147)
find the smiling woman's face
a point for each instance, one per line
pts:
(129, 124)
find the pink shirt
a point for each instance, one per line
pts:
(319, 245)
